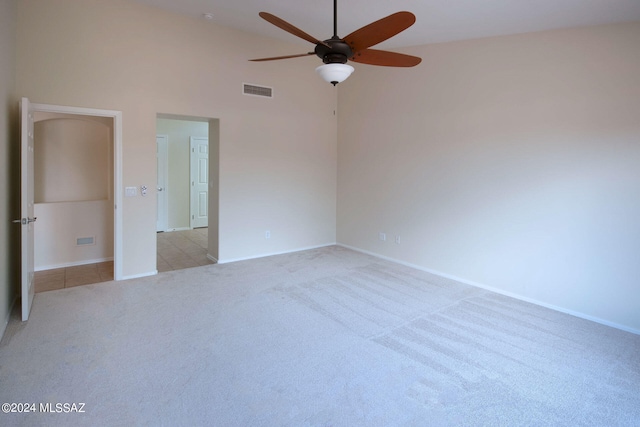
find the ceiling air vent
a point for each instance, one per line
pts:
(255, 90)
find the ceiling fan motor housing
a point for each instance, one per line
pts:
(338, 53)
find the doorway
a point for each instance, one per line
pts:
(188, 216)
(77, 171)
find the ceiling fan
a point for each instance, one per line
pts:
(336, 51)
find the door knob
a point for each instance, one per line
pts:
(159, 188)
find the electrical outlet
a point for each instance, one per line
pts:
(267, 234)
(382, 237)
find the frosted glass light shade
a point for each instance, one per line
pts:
(334, 73)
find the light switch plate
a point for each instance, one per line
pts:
(130, 191)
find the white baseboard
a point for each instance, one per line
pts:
(499, 291)
(226, 261)
(137, 276)
(169, 230)
(73, 264)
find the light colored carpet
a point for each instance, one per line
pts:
(326, 337)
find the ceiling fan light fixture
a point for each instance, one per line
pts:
(334, 73)
(336, 51)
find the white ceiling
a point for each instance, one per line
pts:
(437, 20)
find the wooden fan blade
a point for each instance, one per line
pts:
(282, 57)
(380, 30)
(281, 23)
(385, 58)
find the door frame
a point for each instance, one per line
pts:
(117, 170)
(162, 162)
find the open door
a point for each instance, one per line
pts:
(199, 182)
(26, 202)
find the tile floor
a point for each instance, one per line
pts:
(182, 249)
(176, 250)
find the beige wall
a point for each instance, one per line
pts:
(73, 172)
(9, 157)
(178, 188)
(511, 162)
(60, 225)
(277, 156)
(73, 160)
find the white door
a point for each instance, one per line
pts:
(26, 204)
(199, 182)
(162, 150)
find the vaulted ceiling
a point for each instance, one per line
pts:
(437, 20)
